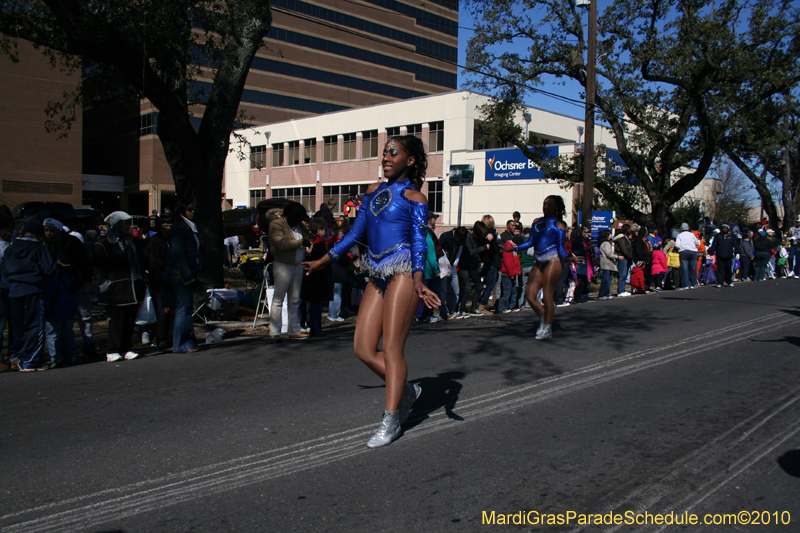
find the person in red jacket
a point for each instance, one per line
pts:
(659, 268)
(509, 272)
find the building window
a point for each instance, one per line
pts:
(256, 195)
(329, 148)
(148, 124)
(393, 132)
(348, 146)
(258, 157)
(414, 129)
(436, 137)
(294, 152)
(277, 155)
(340, 194)
(310, 151)
(369, 144)
(307, 196)
(435, 196)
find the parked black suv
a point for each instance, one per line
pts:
(61, 211)
(266, 205)
(242, 222)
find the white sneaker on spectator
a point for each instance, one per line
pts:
(336, 319)
(113, 357)
(719, 285)
(563, 304)
(432, 319)
(623, 294)
(131, 355)
(506, 311)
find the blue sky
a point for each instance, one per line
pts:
(569, 90)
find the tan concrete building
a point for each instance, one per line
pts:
(315, 159)
(36, 165)
(321, 56)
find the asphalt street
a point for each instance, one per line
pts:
(680, 402)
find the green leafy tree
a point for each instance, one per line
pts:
(763, 143)
(186, 57)
(661, 62)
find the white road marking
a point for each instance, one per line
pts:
(115, 504)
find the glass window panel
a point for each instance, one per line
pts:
(258, 157)
(294, 153)
(277, 155)
(369, 144)
(349, 146)
(329, 148)
(436, 137)
(309, 151)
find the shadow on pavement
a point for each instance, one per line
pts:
(790, 462)
(437, 392)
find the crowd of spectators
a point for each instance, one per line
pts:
(50, 274)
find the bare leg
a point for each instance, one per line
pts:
(550, 278)
(532, 289)
(369, 329)
(390, 315)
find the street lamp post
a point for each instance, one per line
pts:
(588, 151)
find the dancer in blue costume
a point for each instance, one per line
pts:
(547, 239)
(391, 222)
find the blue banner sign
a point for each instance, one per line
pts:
(511, 164)
(601, 220)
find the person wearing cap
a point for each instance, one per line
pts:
(6, 231)
(776, 246)
(26, 264)
(762, 250)
(61, 291)
(288, 240)
(725, 247)
(183, 267)
(746, 256)
(687, 245)
(119, 272)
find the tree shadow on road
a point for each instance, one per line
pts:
(790, 462)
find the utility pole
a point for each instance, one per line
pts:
(588, 143)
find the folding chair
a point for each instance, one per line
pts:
(218, 302)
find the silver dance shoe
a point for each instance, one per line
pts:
(541, 325)
(387, 431)
(410, 395)
(545, 333)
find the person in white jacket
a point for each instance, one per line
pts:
(687, 243)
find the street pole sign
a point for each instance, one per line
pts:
(461, 175)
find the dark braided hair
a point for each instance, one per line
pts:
(561, 209)
(414, 147)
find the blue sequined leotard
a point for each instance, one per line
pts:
(547, 240)
(395, 230)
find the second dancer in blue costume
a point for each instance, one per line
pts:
(392, 223)
(547, 240)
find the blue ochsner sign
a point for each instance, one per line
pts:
(504, 165)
